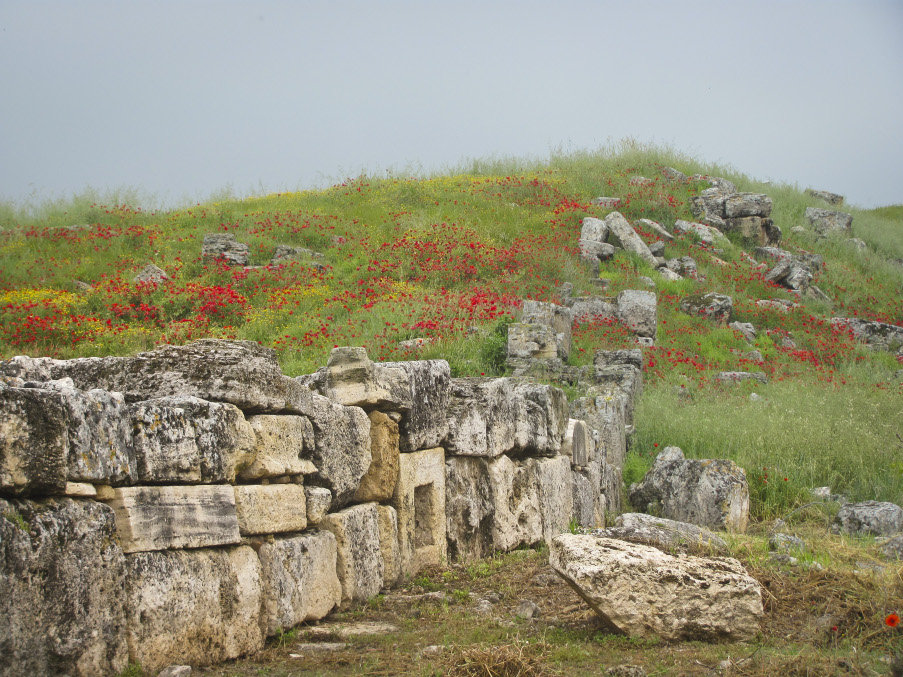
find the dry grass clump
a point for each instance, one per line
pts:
(515, 659)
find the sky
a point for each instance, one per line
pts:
(183, 100)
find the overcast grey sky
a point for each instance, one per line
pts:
(181, 99)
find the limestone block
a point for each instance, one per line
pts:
(515, 493)
(656, 229)
(151, 273)
(556, 499)
(424, 425)
(490, 417)
(224, 246)
(593, 230)
(242, 373)
(281, 442)
(341, 450)
(378, 484)
(881, 518)
(610, 487)
(470, 509)
(708, 205)
(318, 500)
(706, 234)
(558, 318)
(825, 221)
(604, 418)
(388, 544)
(299, 579)
(590, 309)
(419, 500)
(193, 606)
(353, 379)
(270, 508)
(62, 608)
(187, 439)
(637, 310)
(157, 518)
(747, 204)
(876, 335)
(578, 443)
(34, 441)
(830, 198)
(714, 306)
(584, 499)
(666, 534)
(359, 561)
(709, 493)
(100, 434)
(640, 591)
(623, 233)
(593, 251)
(532, 341)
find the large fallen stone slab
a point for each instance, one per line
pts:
(187, 440)
(712, 493)
(242, 373)
(638, 527)
(640, 591)
(706, 234)
(747, 204)
(637, 310)
(193, 606)
(592, 309)
(490, 417)
(880, 518)
(714, 306)
(359, 561)
(34, 441)
(62, 607)
(620, 230)
(160, 518)
(299, 580)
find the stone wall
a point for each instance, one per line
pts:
(182, 505)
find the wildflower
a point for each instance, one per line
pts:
(893, 620)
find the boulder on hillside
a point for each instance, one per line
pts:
(879, 335)
(224, 247)
(712, 493)
(637, 310)
(825, 221)
(880, 518)
(747, 204)
(672, 174)
(707, 234)
(830, 198)
(656, 228)
(593, 245)
(640, 591)
(747, 330)
(151, 273)
(714, 306)
(590, 309)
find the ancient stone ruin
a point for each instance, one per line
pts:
(184, 504)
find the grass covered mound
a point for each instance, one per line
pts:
(450, 258)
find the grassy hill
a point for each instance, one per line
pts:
(451, 258)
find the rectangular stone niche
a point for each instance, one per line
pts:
(419, 500)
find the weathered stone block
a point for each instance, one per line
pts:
(224, 246)
(62, 609)
(470, 511)
(747, 204)
(714, 306)
(641, 591)
(584, 499)
(389, 545)
(590, 309)
(243, 373)
(341, 451)
(711, 492)
(705, 234)
(490, 417)
(424, 425)
(378, 484)
(158, 518)
(270, 508)
(620, 230)
(419, 500)
(186, 439)
(532, 341)
(193, 606)
(637, 310)
(515, 493)
(299, 579)
(556, 499)
(558, 318)
(359, 561)
(318, 501)
(881, 518)
(578, 443)
(825, 221)
(34, 441)
(353, 379)
(281, 442)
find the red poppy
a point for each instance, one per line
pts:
(893, 620)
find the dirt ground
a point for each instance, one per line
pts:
(475, 620)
